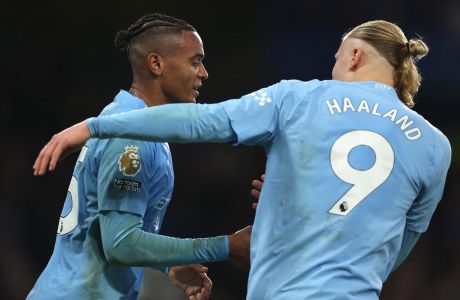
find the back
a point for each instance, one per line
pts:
(348, 167)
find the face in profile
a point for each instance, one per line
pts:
(338, 66)
(343, 59)
(184, 71)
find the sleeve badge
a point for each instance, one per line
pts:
(129, 162)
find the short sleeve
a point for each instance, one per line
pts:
(419, 215)
(254, 117)
(123, 177)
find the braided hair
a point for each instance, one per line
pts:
(147, 26)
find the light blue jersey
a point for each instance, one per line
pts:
(110, 175)
(349, 169)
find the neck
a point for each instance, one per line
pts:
(372, 72)
(371, 76)
(375, 68)
(150, 94)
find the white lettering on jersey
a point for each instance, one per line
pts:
(347, 104)
(333, 106)
(412, 133)
(363, 106)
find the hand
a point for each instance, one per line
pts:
(257, 187)
(239, 243)
(193, 280)
(61, 145)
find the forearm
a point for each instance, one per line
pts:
(173, 123)
(125, 243)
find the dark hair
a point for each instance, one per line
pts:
(147, 25)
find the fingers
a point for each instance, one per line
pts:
(198, 268)
(61, 145)
(207, 283)
(202, 292)
(55, 156)
(42, 161)
(257, 187)
(257, 184)
(38, 160)
(255, 193)
(192, 290)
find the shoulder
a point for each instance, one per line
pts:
(299, 84)
(293, 91)
(439, 138)
(440, 148)
(123, 102)
(128, 156)
(296, 87)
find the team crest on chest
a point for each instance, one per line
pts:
(129, 162)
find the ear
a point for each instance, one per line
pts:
(155, 63)
(356, 59)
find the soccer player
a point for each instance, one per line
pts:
(120, 188)
(353, 174)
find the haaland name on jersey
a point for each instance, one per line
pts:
(412, 133)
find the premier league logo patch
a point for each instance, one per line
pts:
(129, 162)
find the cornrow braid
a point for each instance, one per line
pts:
(148, 23)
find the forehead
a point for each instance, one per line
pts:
(189, 43)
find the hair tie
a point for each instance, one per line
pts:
(408, 46)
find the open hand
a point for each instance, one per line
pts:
(193, 280)
(61, 145)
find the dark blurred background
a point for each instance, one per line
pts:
(58, 66)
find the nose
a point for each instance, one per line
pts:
(202, 73)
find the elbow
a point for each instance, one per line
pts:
(119, 237)
(119, 251)
(113, 255)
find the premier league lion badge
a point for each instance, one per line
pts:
(129, 162)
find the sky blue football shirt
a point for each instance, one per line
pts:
(114, 175)
(349, 168)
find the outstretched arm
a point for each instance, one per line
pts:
(61, 144)
(250, 120)
(125, 243)
(172, 122)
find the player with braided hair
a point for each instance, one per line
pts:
(161, 23)
(353, 174)
(121, 188)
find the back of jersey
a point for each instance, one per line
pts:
(349, 167)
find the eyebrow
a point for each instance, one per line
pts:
(200, 56)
